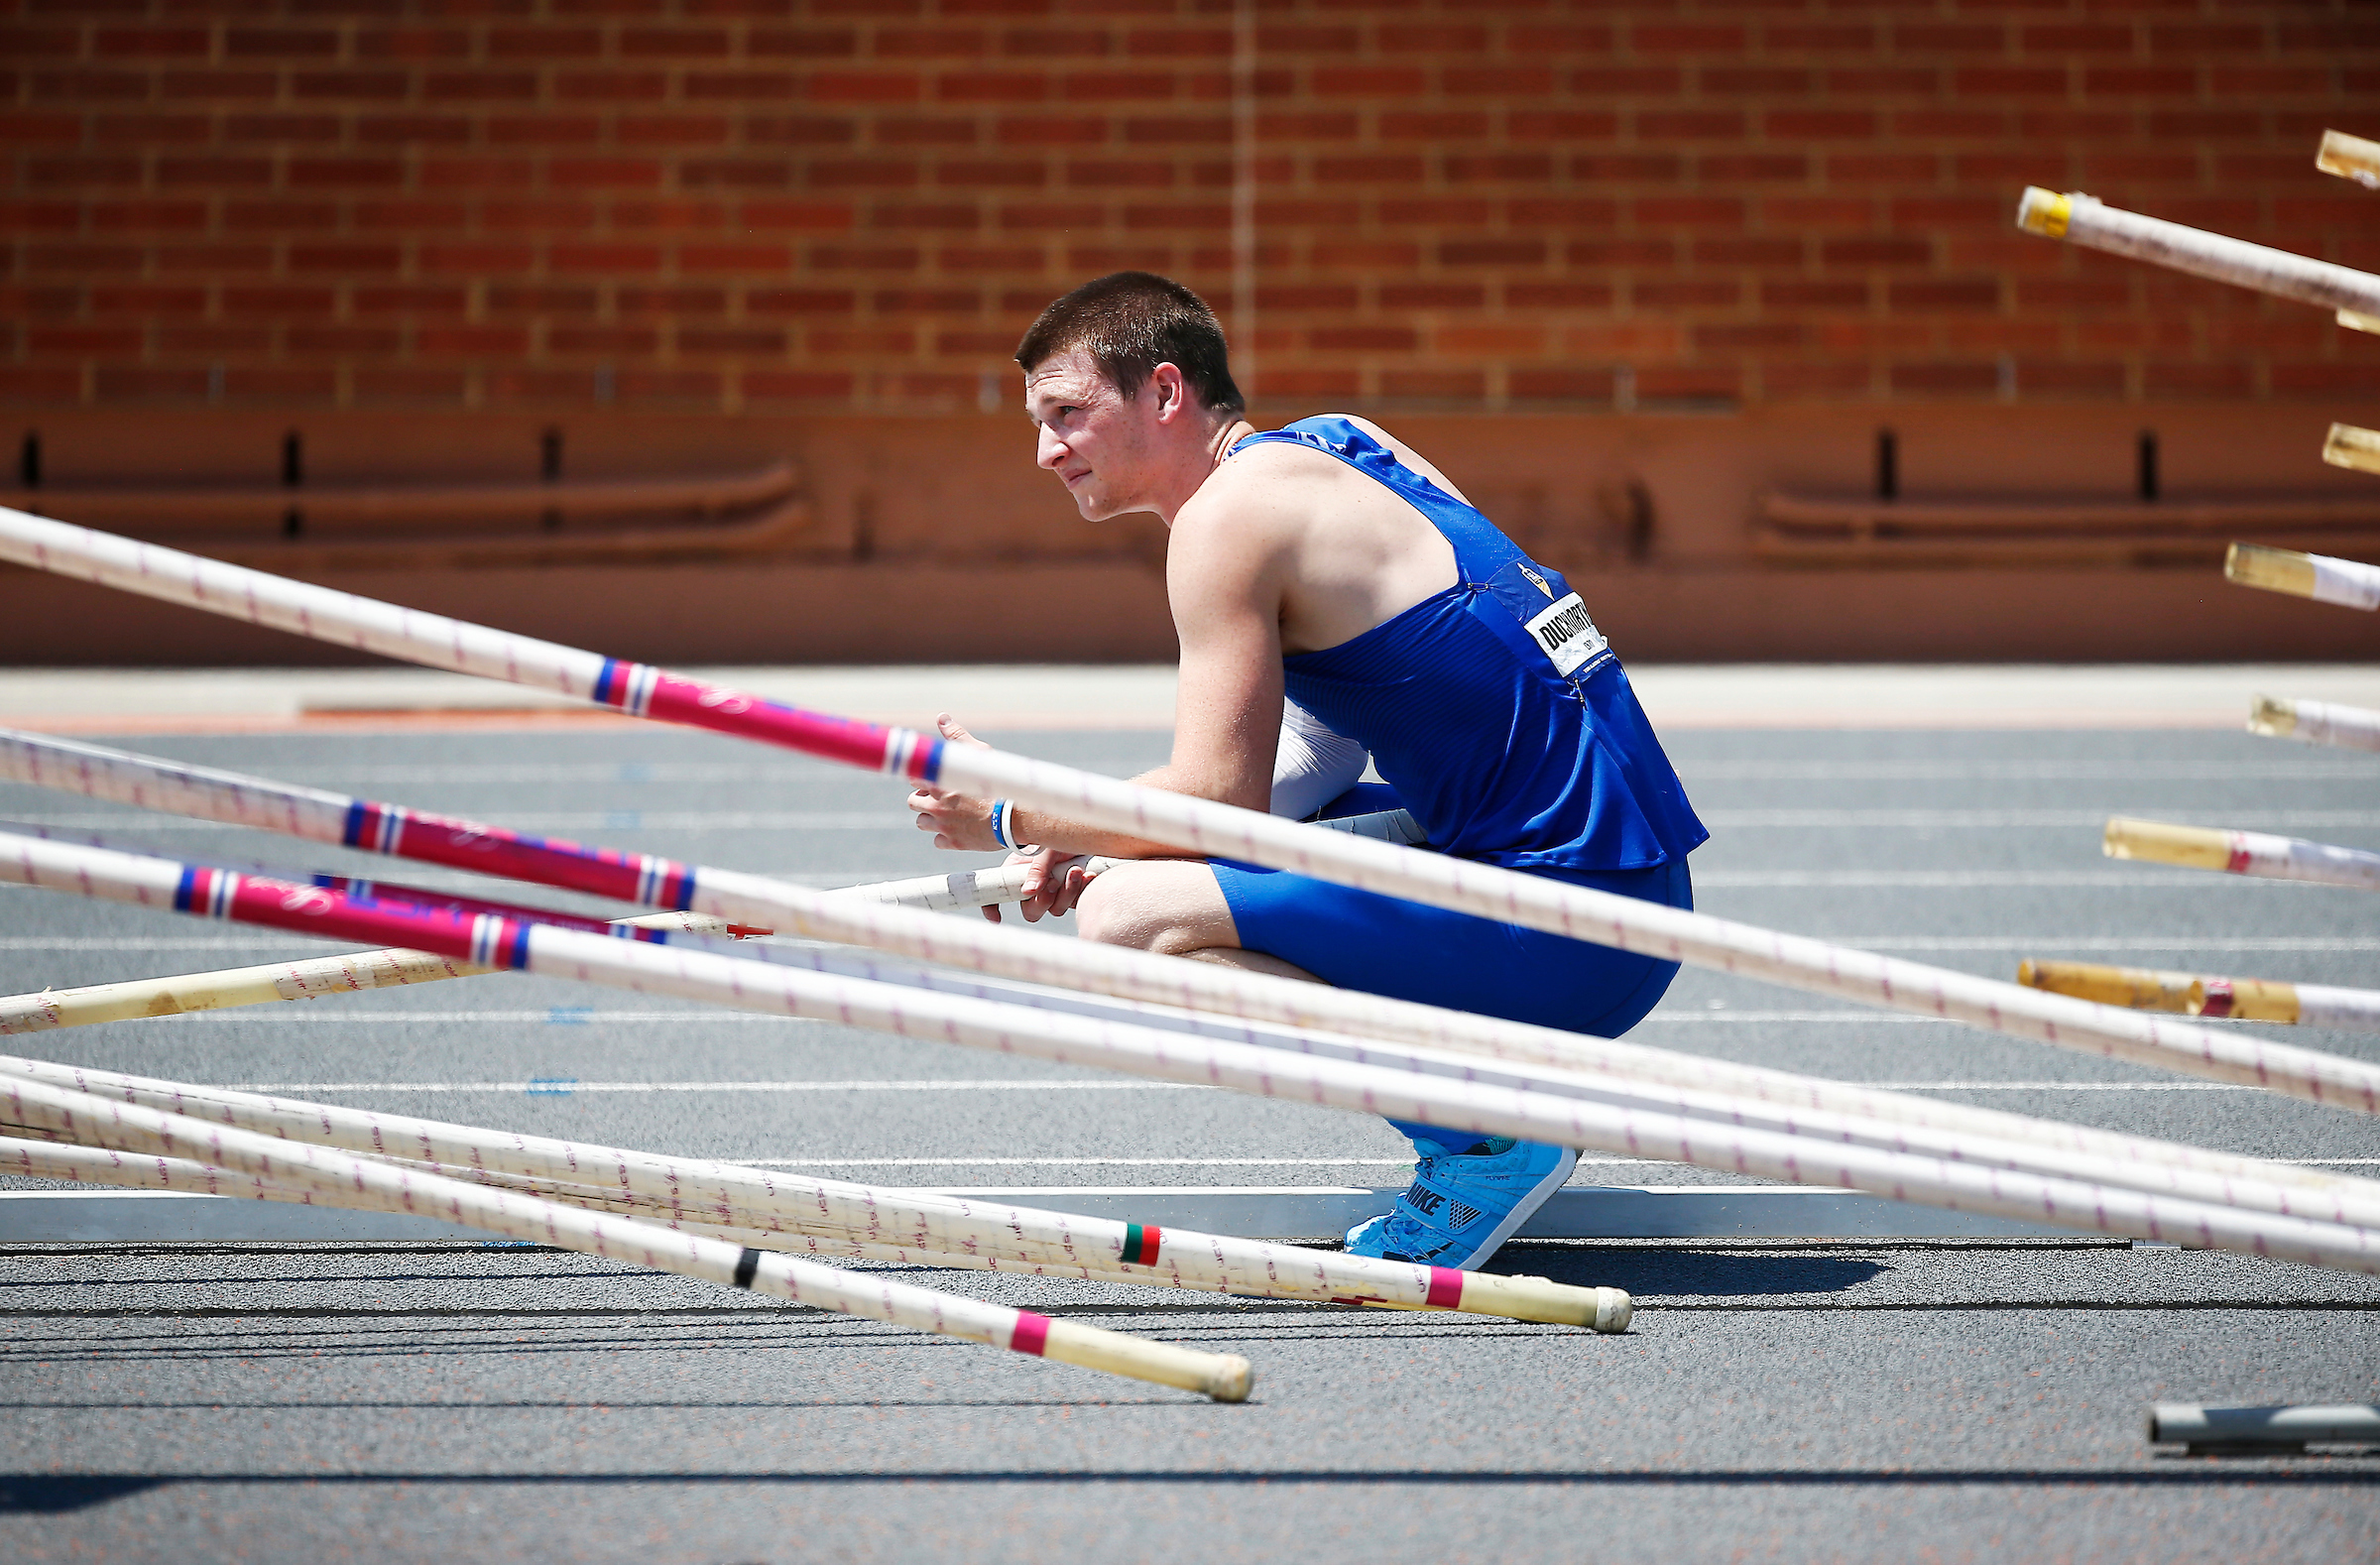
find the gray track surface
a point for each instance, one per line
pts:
(1774, 1401)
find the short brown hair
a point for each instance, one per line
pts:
(1129, 322)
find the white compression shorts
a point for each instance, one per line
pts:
(1314, 765)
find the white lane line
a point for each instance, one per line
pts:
(430, 880)
(1713, 770)
(326, 1008)
(577, 771)
(1951, 880)
(1734, 819)
(1970, 819)
(1704, 880)
(1248, 1162)
(2058, 1086)
(892, 818)
(2310, 771)
(1103, 1163)
(1863, 942)
(1121, 1161)
(1894, 1017)
(71, 942)
(2053, 943)
(563, 1086)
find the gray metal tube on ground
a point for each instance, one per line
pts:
(2284, 1427)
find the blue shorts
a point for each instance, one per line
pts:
(1384, 945)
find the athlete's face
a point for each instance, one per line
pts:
(1104, 447)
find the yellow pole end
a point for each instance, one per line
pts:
(2044, 212)
(2134, 988)
(2272, 716)
(2357, 320)
(1542, 1300)
(2271, 569)
(1225, 1376)
(2350, 447)
(2244, 999)
(2161, 842)
(2350, 158)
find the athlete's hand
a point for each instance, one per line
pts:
(957, 821)
(1053, 883)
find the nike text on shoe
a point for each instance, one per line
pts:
(1462, 1206)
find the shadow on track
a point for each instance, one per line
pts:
(25, 1493)
(1706, 1274)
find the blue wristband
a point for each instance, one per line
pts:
(999, 824)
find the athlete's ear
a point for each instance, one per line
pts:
(1172, 391)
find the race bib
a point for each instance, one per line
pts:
(1568, 636)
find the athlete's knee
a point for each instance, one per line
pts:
(1110, 912)
(1143, 906)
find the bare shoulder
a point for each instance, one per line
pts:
(1232, 534)
(1259, 490)
(1407, 455)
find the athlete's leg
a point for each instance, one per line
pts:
(1174, 908)
(1624, 985)
(1468, 1194)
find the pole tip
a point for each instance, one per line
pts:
(2350, 158)
(2272, 716)
(2347, 446)
(1232, 1379)
(2044, 212)
(2285, 571)
(1613, 1309)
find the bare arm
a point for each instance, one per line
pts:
(1223, 572)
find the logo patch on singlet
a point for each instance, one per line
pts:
(1567, 634)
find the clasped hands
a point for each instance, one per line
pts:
(1053, 881)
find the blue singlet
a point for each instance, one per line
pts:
(1506, 724)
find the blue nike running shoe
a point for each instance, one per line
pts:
(1461, 1205)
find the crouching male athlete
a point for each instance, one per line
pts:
(1327, 561)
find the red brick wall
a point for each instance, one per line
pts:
(788, 205)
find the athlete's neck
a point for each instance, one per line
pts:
(1227, 434)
